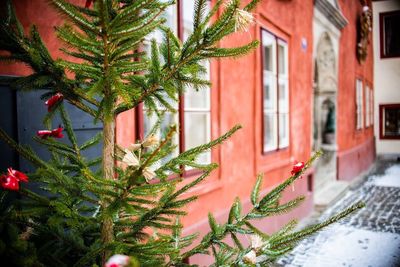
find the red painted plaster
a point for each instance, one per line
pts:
(41, 14)
(363, 155)
(349, 70)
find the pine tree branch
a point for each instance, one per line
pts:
(168, 137)
(294, 237)
(155, 87)
(23, 151)
(236, 221)
(34, 196)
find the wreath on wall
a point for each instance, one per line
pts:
(365, 27)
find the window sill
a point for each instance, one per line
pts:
(389, 138)
(279, 150)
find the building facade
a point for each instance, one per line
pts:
(387, 77)
(304, 89)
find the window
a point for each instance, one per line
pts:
(275, 92)
(371, 99)
(359, 104)
(369, 105)
(390, 34)
(147, 122)
(194, 109)
(389, 121)
(195, 104)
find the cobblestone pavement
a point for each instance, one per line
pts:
(369, 238)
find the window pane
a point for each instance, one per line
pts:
(168, 99)
(283, 96)
(359, 108)
(188, 14)
(282, 60)
(170, 14)
(392, 122)
(268, 41)
(269, 91)
(371, 107)
(197, 99)
(283, 130)
(197, 132)
(268, 58)
(167, 120)
(270, 132)
(391, 35)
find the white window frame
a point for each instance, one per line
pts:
(278, 107)
(186, 25)
(359, 104)
(183, 109)
(371, 99)
(367, 106)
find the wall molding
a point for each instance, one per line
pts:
(333, 14)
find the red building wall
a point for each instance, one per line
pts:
(356, 147)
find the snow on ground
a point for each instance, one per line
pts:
(348, 246)
(391, 178)
(368, 238)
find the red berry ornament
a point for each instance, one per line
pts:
(52, 101)
(17, 174)
(56, 133)
(297, 167)
(10, 181)
(44, 133)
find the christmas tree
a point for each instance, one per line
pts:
(123, 201)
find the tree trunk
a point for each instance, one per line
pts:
(107, 232)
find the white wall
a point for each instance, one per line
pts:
(386, 78)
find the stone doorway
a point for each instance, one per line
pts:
(328, 23)
(325, 106)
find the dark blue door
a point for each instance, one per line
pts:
(22, 116)
(8, 122)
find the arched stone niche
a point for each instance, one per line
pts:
(325, 91)
(328, 121)
(326, 65)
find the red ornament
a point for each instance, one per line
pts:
(44, 133)
(297, 167)
(88, 3)
(52, 101)
(17, 174)
(10, 181)
(56, 133)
